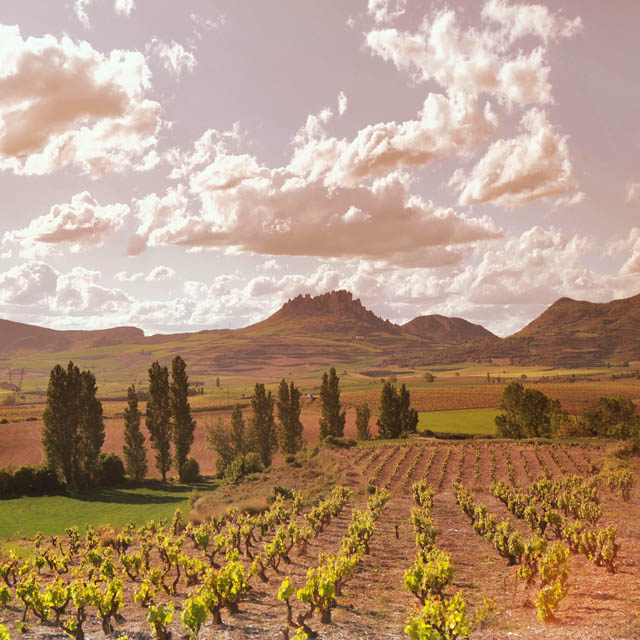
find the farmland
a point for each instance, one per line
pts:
(374, 602)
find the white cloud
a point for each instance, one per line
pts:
(447, 125)
(66, 104)
(631, 266)
(476, 60)
(247, 207)
(125, 276)
(342, 103)
(570, 201)
(386, 10)
(534, 165)
(124, 7)
(633, 191)
(160, 273)
(520, 20)
(174, 57)
(79, 225)
(80, 9)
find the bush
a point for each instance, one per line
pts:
(278, 490)
(343, 443)
(109, 470)
(242, 466)
(290, 458)
(571, 429)
(29, 480)
(191, 471)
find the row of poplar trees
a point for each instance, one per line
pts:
(168, 420)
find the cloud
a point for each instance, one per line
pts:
(342, 103)
(121, 7)
(155, 212)
(125, 276)
(520, 20)
(386, 10)
(38, 288)
(124, 7)
(513, 172)
(447, 125)
(633, 191)
(174, 57)
(66, 104)
(160, 273)
(631, 266)
(248, 207)
(476, 60)
(79, 225)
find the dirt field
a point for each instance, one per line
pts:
(375, 604)
(21, 442)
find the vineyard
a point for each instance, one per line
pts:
(477, 538)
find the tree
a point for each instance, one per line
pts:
(217, 382)
(528, 413)
(135, 453)
(408, 416)
(262, 435)
(219, 440)
(332, 419)
(183, 424)
(61, 418)
(91, 428)
(363, 415)
(73, 431)
(289, 427)
(159, 417)
(389, 415)
(238, 435)
(611, 418)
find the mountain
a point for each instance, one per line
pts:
(446, 330)
(335, 311)
(311, 332)
(579, 332)
(19, 338)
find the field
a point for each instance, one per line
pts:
(467, 421)
(51, 515)
(374, 603)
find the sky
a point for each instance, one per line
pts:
(192, 165)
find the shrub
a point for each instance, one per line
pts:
(343, 443)
(109, 470)
(278, 490)
(191, 471)
(242, 466)
(29, 480)
(571, 429)
(290, 458)
(252, 463)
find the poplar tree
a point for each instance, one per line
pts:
(389, 418)
(159, 417)
(408, 416)
(363, 415)
(332, 419)
(73, 431)
(183, 424)
(289, 426)
(61, 417)
(237, 434)
(90, 429)
(135, 453)
(262, 435)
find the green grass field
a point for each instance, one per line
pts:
(469, 421)
(27, 515)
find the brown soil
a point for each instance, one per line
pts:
(375, 604)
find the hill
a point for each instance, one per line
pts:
(17, 338)
(447, 330)
(576, 333)
(329, 312)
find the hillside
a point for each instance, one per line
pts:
(18, 338)
(329, 312)
(309, 333)
(447, 330)
(576, 332)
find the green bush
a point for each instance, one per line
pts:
(343, 443)
(191, 471)
(109, 470)
(30, 480)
